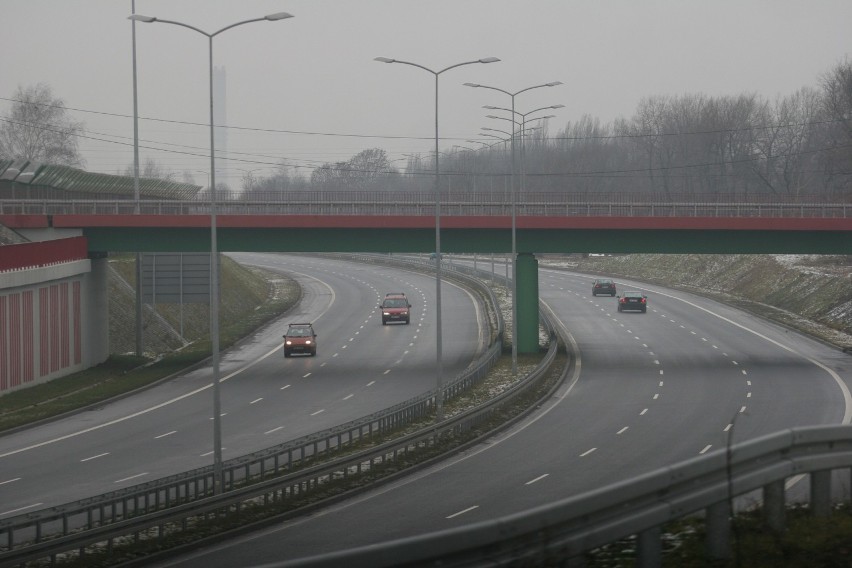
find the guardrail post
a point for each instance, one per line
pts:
(718, 531)
(774, 506)
(821, 493)
(649, 553)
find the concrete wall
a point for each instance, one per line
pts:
(53, 321)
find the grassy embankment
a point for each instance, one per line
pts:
(250, 298)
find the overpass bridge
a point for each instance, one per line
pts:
(404, 222)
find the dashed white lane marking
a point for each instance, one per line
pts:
(210, 453)
(133, 477)
(623, 430)
(386, 372)
(371, 383)
(706, 448)
(656, 396)
(21, 509)
(274, 430)
(255, 401)
(10, 481)
(220, 416)
(661, 371)
(744, 372)
(463, 511)
(321, 410)
(748, 395)
(734, 362)
(539, 478)
(643, 412)
(306, 376)
(284, 387)
(95, 457)
(166, 434)
(348, 396)
(728, 427)
(587, 452)
(661, 383)
(743, 409)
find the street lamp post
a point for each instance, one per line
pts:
(523, 116)
(514, 231)
(439, 397)
(214, 254)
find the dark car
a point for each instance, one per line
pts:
(603, 286)
(633, 301)
(395, 307)
(300, 338)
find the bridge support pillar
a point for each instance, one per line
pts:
(527, 324)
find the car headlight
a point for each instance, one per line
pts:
(288, 342)
(308, 342)
(385, 313)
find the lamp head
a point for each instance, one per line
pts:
(384, 59)
(140, 18)
(558, 106)
(554, 83)
(489, 60)
(278, 16)
(472, 85)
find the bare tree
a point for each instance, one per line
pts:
(39, 129)
(836, 161)
(153, 170)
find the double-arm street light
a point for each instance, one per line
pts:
(214, 255)
(523, 123)
(439, 397)
(512, 95)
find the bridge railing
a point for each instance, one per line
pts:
(468, 204)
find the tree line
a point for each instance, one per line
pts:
(691, 144)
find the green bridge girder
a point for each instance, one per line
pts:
(380, 240)
(529, 242)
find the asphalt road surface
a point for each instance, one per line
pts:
(649, 390)
(361, 367)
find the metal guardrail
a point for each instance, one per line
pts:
(473, 204)
(194, 485)
(555, 533)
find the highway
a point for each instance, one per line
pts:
(361, 367)
(648, 390)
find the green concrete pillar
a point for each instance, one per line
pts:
(527, 324)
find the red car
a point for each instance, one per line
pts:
(300, 338)
(395, 307)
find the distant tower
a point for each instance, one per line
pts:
(220, 136)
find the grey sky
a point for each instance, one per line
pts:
(315, 72)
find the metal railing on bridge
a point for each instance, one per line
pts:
(467, 204)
